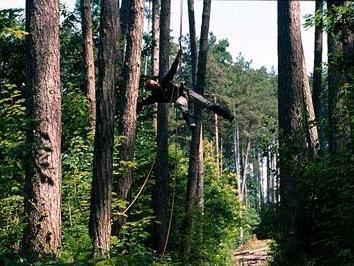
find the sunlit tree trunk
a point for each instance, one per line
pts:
(269, 177)
(43, 98)
(261, 180)
(200, 181)
(89, 60)
(155, 48)
(131, 76)
(101, 198)
(309, 112)
(297, 135)
(245, 167)
(236, 151)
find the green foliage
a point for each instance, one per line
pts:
(75, 117)
(11, 171)
(11, 47)
(325, 198)
(219, 230)
(338, 16)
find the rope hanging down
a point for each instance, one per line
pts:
(176, 133)
(141, 189)
(173, 190)
(153, 164)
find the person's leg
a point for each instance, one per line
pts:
(205, 103)
(182, 104)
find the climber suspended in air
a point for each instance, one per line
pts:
(165, 91)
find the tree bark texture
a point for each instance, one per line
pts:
(193, 40)
(89, 60)
(101, 193)
(162, 176)
(191, 199)
(155, 48)
(155, 36)
(200, 181)
(309, 113)
(131, 75)
(43, 170)
(297, 132)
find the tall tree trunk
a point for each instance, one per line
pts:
(196, 133)
(245, 167)
(340, 67)
(269, 177)
(335, 53)
(295, 115)
(89, 60)
(101, 191)
(162, 177)
(43, 170)
(309, 113)
(193, 41)
(194, 60)
(155, 49)
(217, 150)
(200, 181)
(131, 76)
(261, 179)
(236, 151)
(317, 67)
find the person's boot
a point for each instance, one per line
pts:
(189, 120)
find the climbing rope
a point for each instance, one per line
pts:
(173, 190)
(141, 188)
(176, 134)
(153, 164)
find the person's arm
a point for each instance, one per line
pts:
(149, 100)
(173, 70)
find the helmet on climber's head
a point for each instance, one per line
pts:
(152, 85)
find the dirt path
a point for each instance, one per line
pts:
(255, 252)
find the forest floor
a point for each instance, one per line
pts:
(254, 252)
